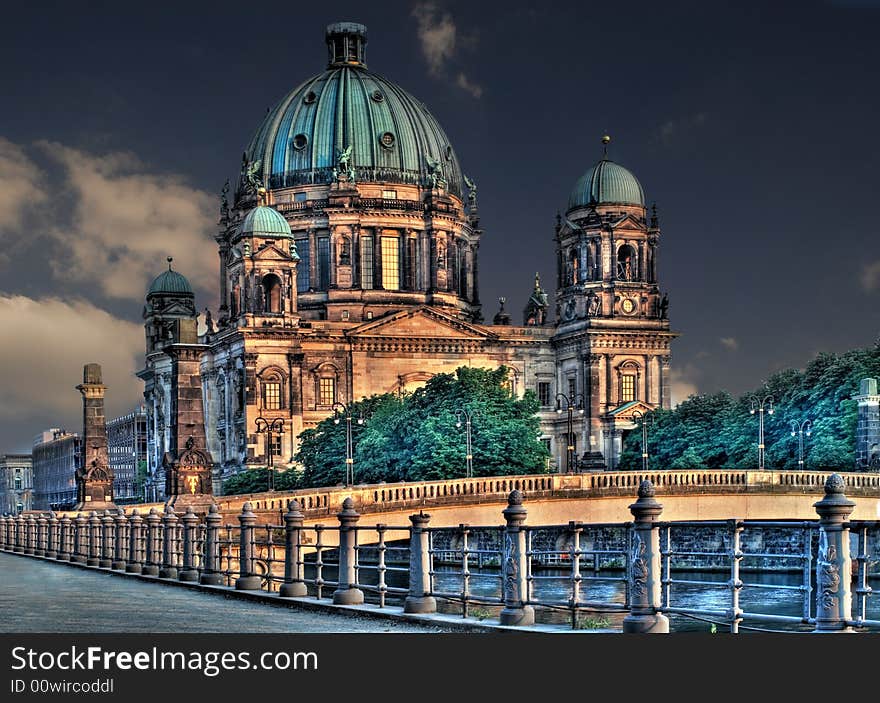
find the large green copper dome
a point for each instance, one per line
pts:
(391, 134)
(265, 220)
(170, 283)
(606, 183)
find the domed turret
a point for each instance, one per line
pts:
(265, 221)
(606, 183)
(171, 283)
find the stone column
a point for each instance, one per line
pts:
(94, 480)
(665, 386)
(18, 529)
(52, 536)
(190, 525)
(248, 580)
(151, 544)
(169, 539)
(211, 575)
(833, 564)
(515, 565)
(40, 546)
(135, 563)
(644, 566)
(64, 539)
(419, 599)
(4, 532)
(94, 529)
(30, 534)
(79, 555)
(108, 527)
(121, 541)
(347, 592)
(293, 586)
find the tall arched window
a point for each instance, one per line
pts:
(574, 265)
(628, 380)
(272, 390)
(627, 265)
(272, 293)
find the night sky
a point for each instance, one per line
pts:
(753, 126)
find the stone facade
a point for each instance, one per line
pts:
(16, 484)
(57, 457)
(127, 451)
(868, 428)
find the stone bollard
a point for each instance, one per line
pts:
(80, 526)
(347, 592)
(42, 528)
(94, 529)
(515, 565)
(833, 563)
(151, 544)
(293, 586)
(169, 544)
(190, 521)
(418, 600)
(108, 526)
(644, 566)
(52, 536)
(120, 540)
(248, 580)
(65, 539)
(211, 575)
(30, 534)
(135, 563)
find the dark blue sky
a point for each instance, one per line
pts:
(754, 126)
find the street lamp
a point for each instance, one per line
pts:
(643, 419)
(799, 428)
(575, 402)
(349, 444)
(469, 457)
(269, 428)
(760, 406)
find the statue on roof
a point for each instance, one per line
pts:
(535, 313)
(343, 167)
(251, 180)
(435, 172)
(224, 202)
(472, 192)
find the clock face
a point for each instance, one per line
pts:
(628, 305)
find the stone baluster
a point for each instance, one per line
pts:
(65, 539)
(30, 533)
(80, 527)
(347, 591)
(121, 540)
(42, 528)
(94, 529)
(644, 566)
(18, 523)
(419, 600)
(135, 563)
(211, 575)
(248, 580)
(515, 565)
(108, 529)
(833, 563)
(169, 557)
(190, 521)
(52, 536)
(152, 544)
(293, 586)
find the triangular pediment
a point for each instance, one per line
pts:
(630, 411)
(271, 253)
(628, 221)
(421, 323)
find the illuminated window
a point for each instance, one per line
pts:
(272, 395)
(326, 391)
(544, 393)
(390, 263)
(627, 388)
(389, 194)
(366, 262)
(302, 268)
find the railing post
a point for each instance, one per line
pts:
(515, 565)
(169, 533)
(347, 592)
(65, 552)
(419, 600)
(120, 541)
(833, 563)
(94, 528)
(19, 534)
(293, 586)
(151, 544)
(80, 526)
(247, 580)
(644, 566)
(40, 546)
(30, 533)
(135, 563)
(4, 532)
(52, 536)
(189, 571)
(211, 575)
(108, 528)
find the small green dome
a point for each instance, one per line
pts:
(265, 221)
(170, 283)
(606, 183)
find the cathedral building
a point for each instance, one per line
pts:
(349, 266)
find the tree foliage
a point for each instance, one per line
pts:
(717, 431)
(256, 480)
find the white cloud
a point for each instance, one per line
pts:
(44, 357)
(439, 40)
(730, 343)
(871, 276)
(20, 186)
(681, 387)
(465, 84)
(125, 221)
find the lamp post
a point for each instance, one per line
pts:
(766, 403)
(800, 428)
(349, 444)
(643, 419)
(575, 402)
(469, 457)
(270, 428)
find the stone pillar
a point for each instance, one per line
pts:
(833, 564)
(4, 532)
(52, 536)
(18, 530)
(64, 539)
(151, 544)
(868, 427)
(80, 554)
(515, 565)
(30, 534)
(135, 563)
(169, 546)
(42, 526)
(108, 530)
(644, 566)
(211, 575)
(248, 580)
(94, 479)
(347, 592)
(120, 541)
(665, 385)
(190, 526)
(419, 600)
(293, 586)
(94, 530)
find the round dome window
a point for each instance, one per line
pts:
(300, 141)
(310, 97)
(387, 140)
(377, 96)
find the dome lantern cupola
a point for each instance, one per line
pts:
(346, 43)
(606, 183)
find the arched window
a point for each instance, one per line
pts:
(326, 384)
(272, 390)
(574, 265)
(628, 380)
(627, 267)
(272, 292)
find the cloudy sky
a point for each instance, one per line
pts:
(752, 125)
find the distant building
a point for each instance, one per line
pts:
(127, 450)
(16, 483)
(56, 456)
